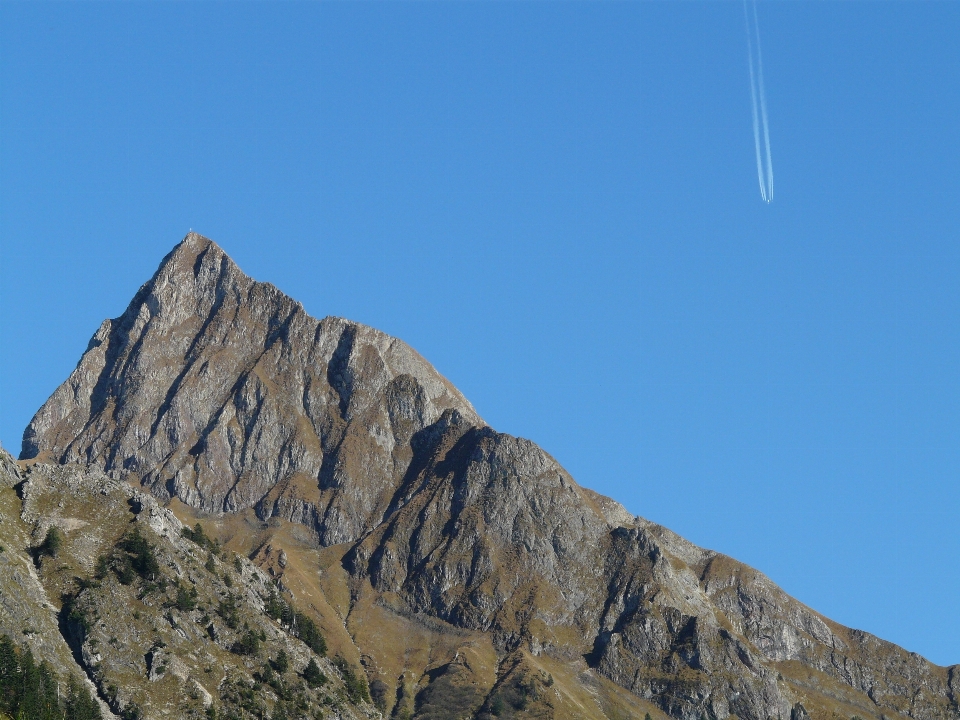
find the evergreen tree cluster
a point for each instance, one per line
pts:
(313, 675)
(249, 643)
(52, 544)
(229, 611)
(354, 682)
(198, 536)
(299, 624)
(186, 597)
(29, 690)
(133, 556)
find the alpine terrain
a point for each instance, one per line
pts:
(232, 509)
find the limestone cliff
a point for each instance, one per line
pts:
(220, 393)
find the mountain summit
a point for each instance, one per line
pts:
(466, 569)
(221, 391)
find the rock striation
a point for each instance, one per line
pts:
(223, 393)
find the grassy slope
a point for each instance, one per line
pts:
(133, 639)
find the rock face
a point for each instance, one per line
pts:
(222, 392)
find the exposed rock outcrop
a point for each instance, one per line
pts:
(188, 631)
(223, 392)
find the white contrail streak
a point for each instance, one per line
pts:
(764, 156)
(756, 120)
(763, 106)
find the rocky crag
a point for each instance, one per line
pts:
(464, 568)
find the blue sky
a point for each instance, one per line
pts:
(557, 204)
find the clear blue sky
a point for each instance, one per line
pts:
(557, 204)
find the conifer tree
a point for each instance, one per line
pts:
(80, 704)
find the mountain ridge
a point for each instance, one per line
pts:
(223, 394)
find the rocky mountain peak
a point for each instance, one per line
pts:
(221, 391)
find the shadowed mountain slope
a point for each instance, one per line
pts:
(221, 393)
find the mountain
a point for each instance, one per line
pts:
(224, 393)
(463, 568)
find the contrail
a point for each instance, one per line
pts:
(764, 156)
